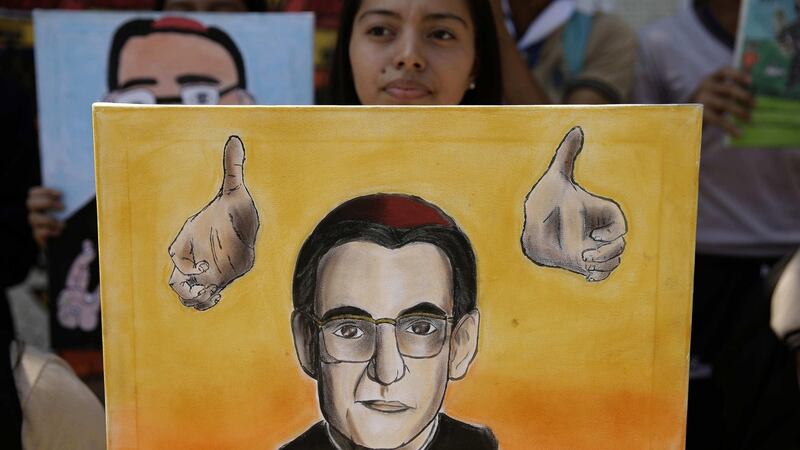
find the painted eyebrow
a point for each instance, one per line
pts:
(345, 311)
(426, 308)
(191, 78)
(138, 82)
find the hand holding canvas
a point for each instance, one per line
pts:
(216, 245)
(40, 202)
(568, 227)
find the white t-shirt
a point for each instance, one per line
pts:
(58, 410)
(749, 200)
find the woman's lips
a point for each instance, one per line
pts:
(406, 90)
(385, 406)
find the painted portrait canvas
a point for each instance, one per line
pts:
(396, 277)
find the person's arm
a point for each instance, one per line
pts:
(609, 63)
(584, 96)
(18, 171)
(797, 365)
(785, 317)
(520, 87)
(648, 85)
(59, 409)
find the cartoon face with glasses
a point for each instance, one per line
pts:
(385, 316)
(175, 61)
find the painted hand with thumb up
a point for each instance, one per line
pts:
(216, 245)
(568, 227)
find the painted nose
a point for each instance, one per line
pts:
(409, 54)
(387, 365)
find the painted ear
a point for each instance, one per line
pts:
(464, 344)
(305, 343)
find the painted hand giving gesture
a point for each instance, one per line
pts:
(568, 227)
(216, 245)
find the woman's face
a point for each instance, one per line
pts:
(412, 52)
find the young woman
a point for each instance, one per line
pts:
(416, 52)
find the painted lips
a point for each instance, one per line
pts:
(386, 406)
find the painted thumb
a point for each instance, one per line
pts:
(233, 164)
(567, 152)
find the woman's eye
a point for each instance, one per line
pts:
(349, 332)
(443, 35)
(379, 31)
(421, 327)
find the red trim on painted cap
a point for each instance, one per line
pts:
(391, 210)
(179, 23)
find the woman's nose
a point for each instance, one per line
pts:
(409, 53)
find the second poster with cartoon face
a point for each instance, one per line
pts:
(142, 58)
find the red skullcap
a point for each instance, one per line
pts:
(391, 210)
(179, 23)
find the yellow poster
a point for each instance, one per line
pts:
(406, 278)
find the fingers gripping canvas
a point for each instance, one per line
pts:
(414, 278)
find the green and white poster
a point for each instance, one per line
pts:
(768, 50)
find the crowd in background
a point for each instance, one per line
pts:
(743, 390)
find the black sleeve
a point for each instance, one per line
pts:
(19, 171)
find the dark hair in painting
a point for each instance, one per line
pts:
(391, 221)
(179, 25)
(488, 77)
(250, 5)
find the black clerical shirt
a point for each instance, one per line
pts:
(451, 434)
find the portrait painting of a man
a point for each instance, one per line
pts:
(417, 278)
(385, 316)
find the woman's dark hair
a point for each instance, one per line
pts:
(488, 77)
(359, 220)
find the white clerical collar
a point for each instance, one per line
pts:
(553, 16)
(424, 446)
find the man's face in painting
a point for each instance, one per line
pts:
(179, 68)
(382, 384)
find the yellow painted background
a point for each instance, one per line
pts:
(562, 363)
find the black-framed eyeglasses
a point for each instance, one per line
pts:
(194, 94)
(353, 338)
